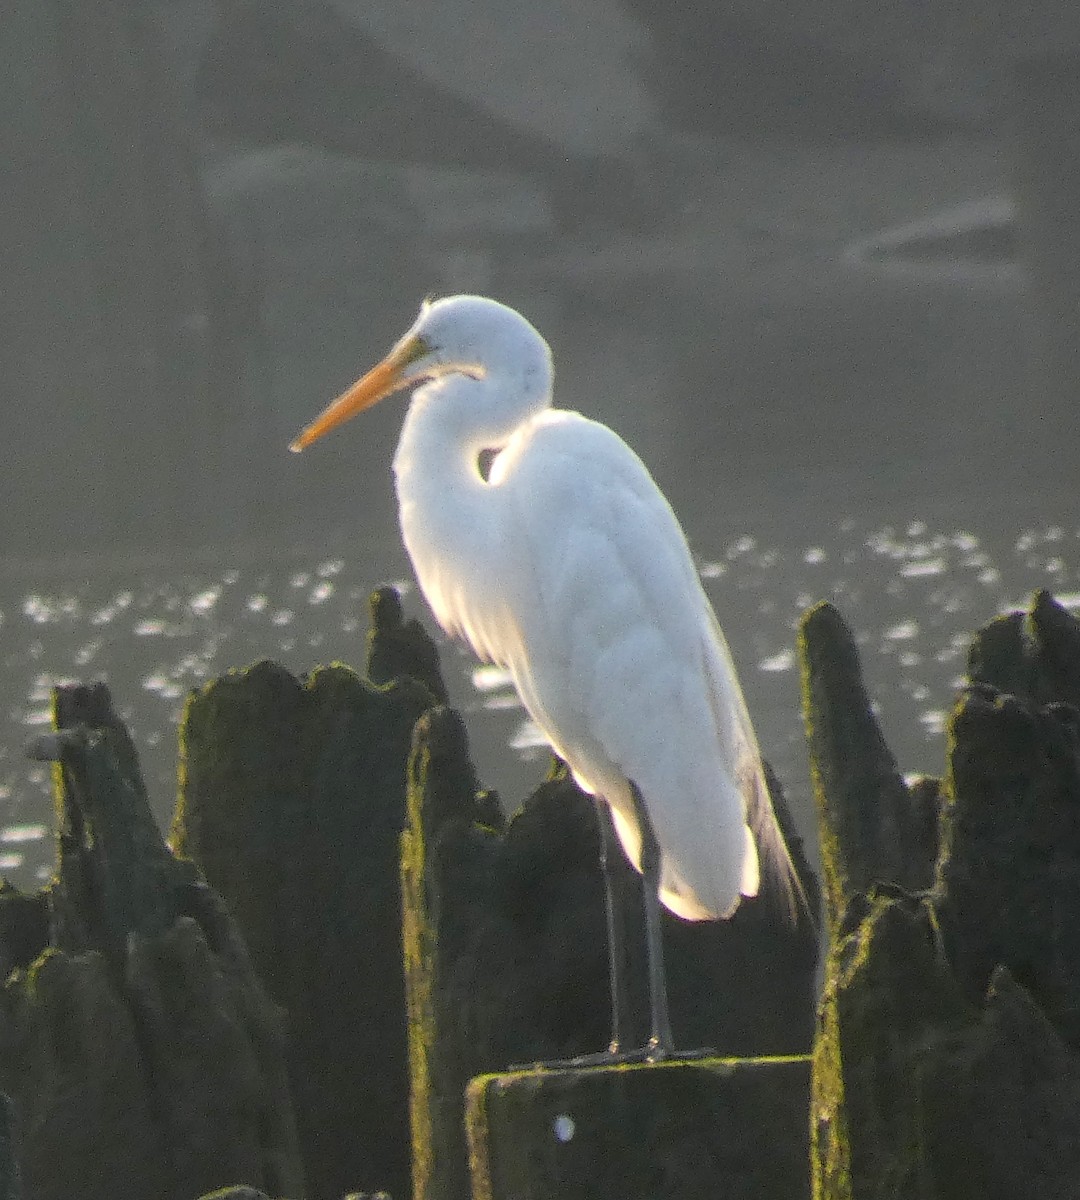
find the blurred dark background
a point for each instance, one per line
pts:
(217, 213)
(819, 264)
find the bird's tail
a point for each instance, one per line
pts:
(736, 734)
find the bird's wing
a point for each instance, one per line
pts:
(620, 661)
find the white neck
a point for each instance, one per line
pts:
(451, 519)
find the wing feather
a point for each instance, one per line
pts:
(620, 661)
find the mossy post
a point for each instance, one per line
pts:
(681, 1130)
(292, 803)
(141, 1054)
(946, 1065)
(506, 962)
(10, 1176)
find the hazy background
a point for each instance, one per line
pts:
(819, 264)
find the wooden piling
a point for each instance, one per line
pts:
(292, 802)
(680, 1130)
(946, 1062)
(140, 1052)
(506, 958)
(143, 1058)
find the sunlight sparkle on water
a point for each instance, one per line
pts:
(926, 566)
(913, 593)
(162, 685)
(783, 661)
(23, 833)
(527, 739)
(496, 686)
(933, 720)
(88, 653)
(108, 612)
(321, 592)
(204, 602)
(43, 610)
(488, 677)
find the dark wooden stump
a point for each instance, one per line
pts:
(10, 1176)
(683, 1131)
(293, 799)
(140, 1052)
(506, 954)
(946, 1063)
(292, 802)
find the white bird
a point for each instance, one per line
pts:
(566, 566)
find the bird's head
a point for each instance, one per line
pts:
(457, 335)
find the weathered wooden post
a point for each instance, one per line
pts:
(506, 962)
(10, 1176)
(140, 1052)
(684, 1130)
(292, 802)
(946, 1063)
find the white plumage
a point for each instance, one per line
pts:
(568, 567)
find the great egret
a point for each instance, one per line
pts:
(567, 566)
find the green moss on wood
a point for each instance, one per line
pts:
(142, 1056)
(292, 802)
(936, 1075)
(684, 1131)
(870, 827)
(441, 796)
(506, 934)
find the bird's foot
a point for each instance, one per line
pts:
(653, 1051)
(658, 1049)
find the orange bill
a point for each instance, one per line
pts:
(380, 382)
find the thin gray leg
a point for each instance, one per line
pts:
(661, 1043)
(608, 839)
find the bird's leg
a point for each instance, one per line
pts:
(614, 924)
(661, 1044)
